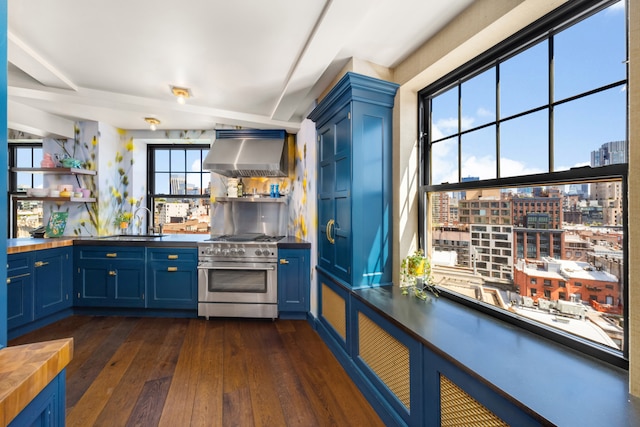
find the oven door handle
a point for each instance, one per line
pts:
(211, 267)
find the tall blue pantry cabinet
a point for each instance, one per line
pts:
(353, 124)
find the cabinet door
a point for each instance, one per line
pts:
(127, 284)
(293, 280)
(334, 195)
(92, 283)
(52, 281)
(19, 290)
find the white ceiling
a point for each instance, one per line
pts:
(250, 63)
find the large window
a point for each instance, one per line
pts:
(179, 188)
(535, 130)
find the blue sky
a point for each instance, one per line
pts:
(588, 55)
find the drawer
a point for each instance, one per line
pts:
(18, 262)
(111, 253)
(172, 255)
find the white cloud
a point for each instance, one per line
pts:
(483, 112)
(510, 167)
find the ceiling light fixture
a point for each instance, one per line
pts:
(182, 93)
(153, 122)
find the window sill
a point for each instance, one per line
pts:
(531, 370)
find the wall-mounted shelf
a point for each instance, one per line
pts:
(59, 171)
(252, 199)
(60, 199)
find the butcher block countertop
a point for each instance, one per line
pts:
(27, 244)
(25, 370)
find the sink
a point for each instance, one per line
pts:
(131, 237)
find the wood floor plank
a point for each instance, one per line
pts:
(262, 342)
(149, 404)
(185, 379)
(207, 408)
(97, 396)
(237, 407)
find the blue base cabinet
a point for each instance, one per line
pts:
(39, 286)
(112, 276)
(293, 283)
(19, 289)
(172, 279)
(53, 280)
(353, 126)
(47, 409)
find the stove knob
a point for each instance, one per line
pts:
(265, 252)
(258, 251)
(225, 252)
(216, 251)
(240, 251)
(233, 251)
(207, 251)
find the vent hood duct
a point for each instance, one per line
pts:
(248, 157)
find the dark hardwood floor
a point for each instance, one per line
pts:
(130, 371)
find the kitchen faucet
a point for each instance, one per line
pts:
(139, 219)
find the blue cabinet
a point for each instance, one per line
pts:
(172, 281)
(293, 283)
(109, 276)
(353, 124)
(19, 290)
(47, 409)
(53, 281)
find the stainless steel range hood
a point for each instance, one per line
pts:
(248, 157)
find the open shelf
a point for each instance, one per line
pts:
(59, 171)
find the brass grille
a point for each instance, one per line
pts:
(386, 356)
(333, 310)
(457, 408)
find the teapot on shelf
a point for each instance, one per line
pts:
(68, 162)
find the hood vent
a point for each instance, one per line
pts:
(260, 154)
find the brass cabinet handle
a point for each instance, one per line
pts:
(40, 263)
(330, 230)
(17, 277)
(112, 273)
(112, 255)
(172, 269)
(172, 256)
(284, 261)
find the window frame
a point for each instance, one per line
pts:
(151, 174)
(544, 29)
(13, 194)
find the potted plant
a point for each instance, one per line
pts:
(122, 220)
(415, 275)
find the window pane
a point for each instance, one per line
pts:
(524, 80)
(582, 126)
(479, 100)
(178, 160)
(161, 183)
(444, 114)
(194, 161)
(29, 215)
(37, 156)
(591, 54)
(479, 153)
(552, 225)
(161, 159)
(178, 184)
(24, 158)
(194, 186)
(444, 161)
(524, 145)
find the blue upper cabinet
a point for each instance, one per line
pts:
(353, 124)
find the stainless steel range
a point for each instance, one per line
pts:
(237, 276)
